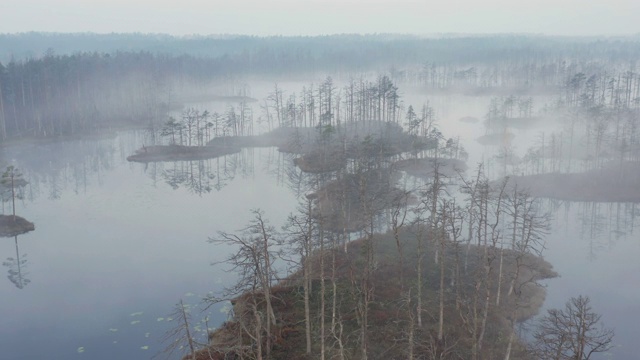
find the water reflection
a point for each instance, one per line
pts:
(146, 243)
(51, 168)
(200, 177)
(17, 266)
(599, 225)
(8, 195)
(195, 176)
(593, 247)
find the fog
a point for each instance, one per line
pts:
(315, 17)
(450, 190)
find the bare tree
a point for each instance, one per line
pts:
(528, 229)
(179, 336)
(574, 332)
(254, 262)
(411, 325)
(301, 229)
(399, 210)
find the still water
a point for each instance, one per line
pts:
(595, 248)
(117, 244)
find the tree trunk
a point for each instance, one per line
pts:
(186, 328)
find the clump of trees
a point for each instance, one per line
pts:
(599, 115)
(57, 95)
(197, 128)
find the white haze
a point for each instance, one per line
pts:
(316, 17)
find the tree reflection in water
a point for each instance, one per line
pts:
(202, 176)
(18, 274)
(601, 224)
(52, 168)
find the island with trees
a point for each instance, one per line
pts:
(10, 184)
(399, 248)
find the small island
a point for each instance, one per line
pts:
(180, 153)
(320, 149)
(12, 225)
(612, 183)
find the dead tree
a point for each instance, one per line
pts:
(253, 261)
(574, 332)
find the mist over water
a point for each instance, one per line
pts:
(118, 243)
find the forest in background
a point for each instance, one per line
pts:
(375, 48)
(64, 84)
(594, 87)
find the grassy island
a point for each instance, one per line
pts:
(397, 296)
(11, 225)
(180, 153)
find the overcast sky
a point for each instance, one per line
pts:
(315, 17)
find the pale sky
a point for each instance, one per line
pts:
(316, 17)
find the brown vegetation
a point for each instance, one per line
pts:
(11, 225)
(388, 315)
(180, 153)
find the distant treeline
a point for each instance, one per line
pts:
(341, 51)
(60, 95)
(58, 84)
